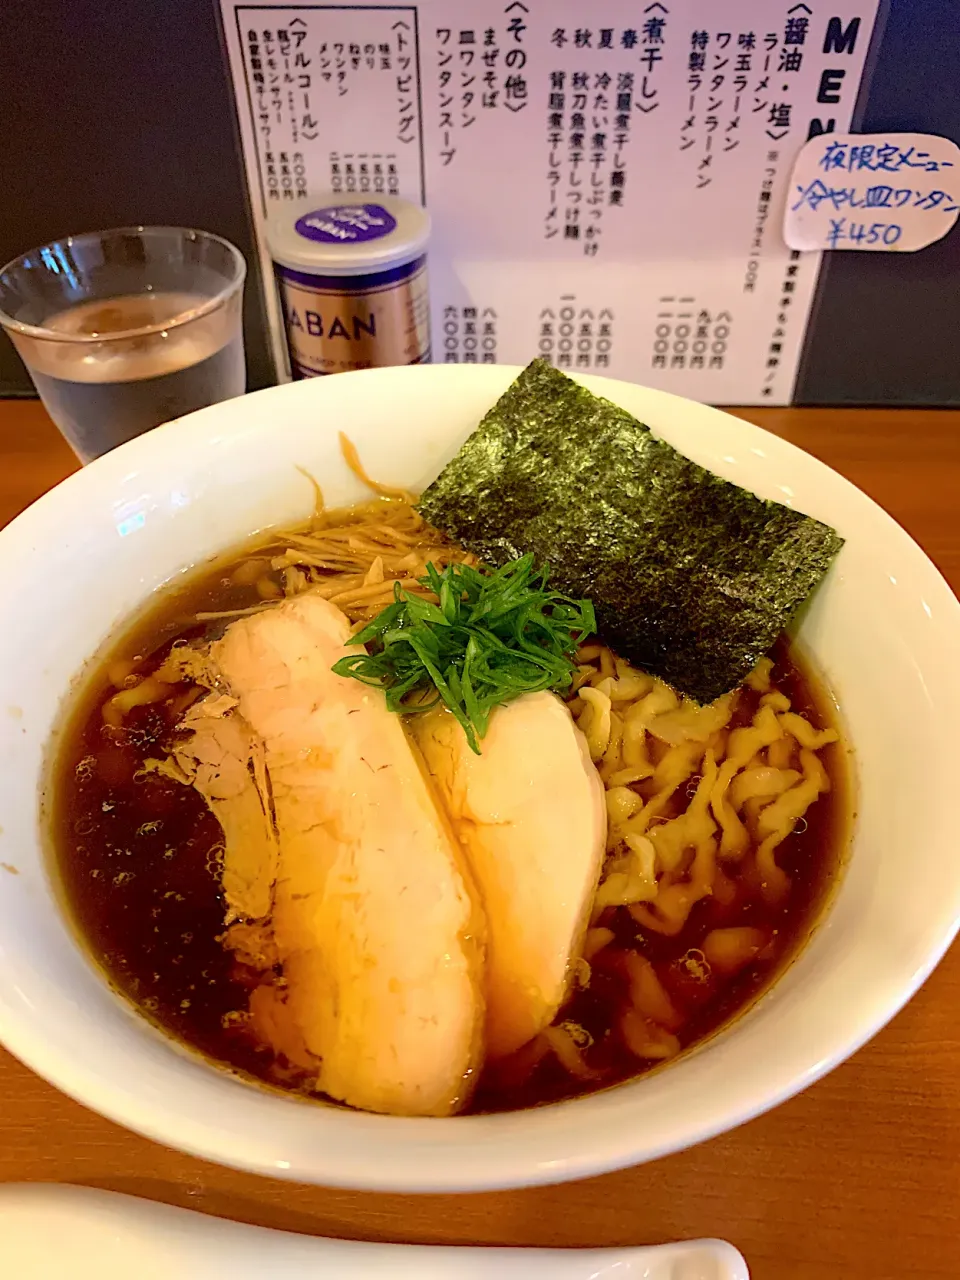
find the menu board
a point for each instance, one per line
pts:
(607, 183)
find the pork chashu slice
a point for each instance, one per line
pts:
(221, 756)
(376, 920)
(530, 814)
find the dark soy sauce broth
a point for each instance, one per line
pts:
(138, 858)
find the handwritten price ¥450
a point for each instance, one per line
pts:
(859, 234)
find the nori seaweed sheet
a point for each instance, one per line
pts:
(692, 578)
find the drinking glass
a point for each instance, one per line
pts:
(122, 330)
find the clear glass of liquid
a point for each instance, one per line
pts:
(123, 330)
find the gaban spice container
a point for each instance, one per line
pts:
(352, 275)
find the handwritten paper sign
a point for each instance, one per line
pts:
(879, 192)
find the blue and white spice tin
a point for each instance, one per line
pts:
(352, 274)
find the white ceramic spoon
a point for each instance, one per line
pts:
(50, 1232)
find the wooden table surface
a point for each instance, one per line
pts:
(856, 1179)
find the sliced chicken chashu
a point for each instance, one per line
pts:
(375, 917)
(530, 814)
(225, 761)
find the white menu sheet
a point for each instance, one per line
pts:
(607, 182)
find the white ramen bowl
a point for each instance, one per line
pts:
(885, 630)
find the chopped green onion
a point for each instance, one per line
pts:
(494, 635)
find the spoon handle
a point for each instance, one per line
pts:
(87, 1234)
